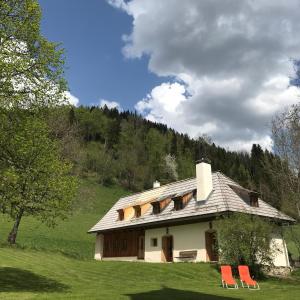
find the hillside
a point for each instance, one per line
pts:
(123, 148)
(70, 236)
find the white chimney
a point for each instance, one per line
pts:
(203, 179)
(156, 184)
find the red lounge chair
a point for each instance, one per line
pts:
(246, 278)
(227, 279)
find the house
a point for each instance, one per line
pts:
(176, 221)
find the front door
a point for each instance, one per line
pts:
(167, 247)
(141, 247)
(211, 244)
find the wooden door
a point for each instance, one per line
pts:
(167, 247)
(141, 247)
(211, 244)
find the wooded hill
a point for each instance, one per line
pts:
(125, 149)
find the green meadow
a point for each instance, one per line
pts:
(57, 263)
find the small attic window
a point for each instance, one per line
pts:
(253, 199)
(156, 207)
(121, 214)
(137, 211)
(178, 203)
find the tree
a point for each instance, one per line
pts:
(171, 167)
(156, 148)
(245, 239)
(286, 138)
(34, 180)
(292, 234)
(31, 68)
(99, 162)
(131, 156)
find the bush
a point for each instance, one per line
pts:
(245, 239)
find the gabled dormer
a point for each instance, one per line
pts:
(160, 204)
(181, 200)
(249, 197)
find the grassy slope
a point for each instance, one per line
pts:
(69, 237)
(29, 274)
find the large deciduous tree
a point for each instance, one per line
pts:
(34, 180)
(286, 138)
(31, 67)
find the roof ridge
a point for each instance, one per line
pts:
(230, 179)
(170, 183)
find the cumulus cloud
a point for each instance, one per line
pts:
(230, 60)
(71, 99)
(110, 104)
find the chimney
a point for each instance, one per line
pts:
(156, 184)
(203, 179)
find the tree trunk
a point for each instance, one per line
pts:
(13, 234)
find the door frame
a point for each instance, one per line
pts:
(141, 247)
(211, 242)
(167, 242)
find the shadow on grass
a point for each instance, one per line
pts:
(18, 280)
(174, 294)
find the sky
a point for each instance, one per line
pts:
(220, 68)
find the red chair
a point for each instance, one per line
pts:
(227, 278)
(245, 278)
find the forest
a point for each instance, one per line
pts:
(125, 149)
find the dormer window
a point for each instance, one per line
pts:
(156, 207)
(121, 214)
(137, 211)
(178, 203)
(253, 199)
(160, 204)
(250, 197)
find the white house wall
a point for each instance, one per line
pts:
(99, 247)
(185, 237)
(280, 257)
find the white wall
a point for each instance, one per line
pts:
(185, 237)
(280, 257)
(99, 246)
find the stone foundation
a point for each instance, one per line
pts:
(279, 271)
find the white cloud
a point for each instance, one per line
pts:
(71, 99)
(231, 60)
(110, 104)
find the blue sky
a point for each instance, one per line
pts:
(91, 33)
(219, 68)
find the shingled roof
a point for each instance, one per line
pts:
(224, 198)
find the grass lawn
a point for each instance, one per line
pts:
(29, 274)
(57, 264)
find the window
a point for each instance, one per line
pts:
(137, 210)
(156, 207)
(178, 204)
(153, 242)
(253, 199)
(121, 214)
